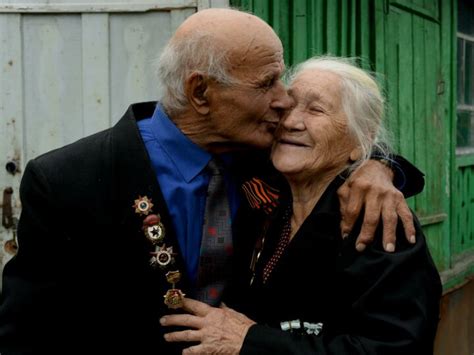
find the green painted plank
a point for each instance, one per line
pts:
(448, 67)
(332, 27)
(434, 237)
(392, 57)
(434, 123)
(279, 13)
(300, 30)
(380, 36)
(354, 24)
(317, 26)
(365, 33)
(261, 9)
(459, 242)
(422, 149)
(457, 230)
(344, 27)
(469, 239)
(405, 88)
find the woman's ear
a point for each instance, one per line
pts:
(356, 154)
(195, 88)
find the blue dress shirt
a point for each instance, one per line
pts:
(179, 165)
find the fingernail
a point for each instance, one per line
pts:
(345, 235)
(165, 336)
(390, 247)
(412, 239)
(360, 247)
(163, 320)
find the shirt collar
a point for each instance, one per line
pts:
(188, 157)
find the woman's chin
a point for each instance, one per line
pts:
(286, 167)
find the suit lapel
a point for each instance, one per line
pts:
(134, 177)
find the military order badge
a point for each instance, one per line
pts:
(143, 205)
(163, 257)
(153, 228)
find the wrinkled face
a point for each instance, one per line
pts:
(313, 138)
(246, 114)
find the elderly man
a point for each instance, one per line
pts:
(118, 227)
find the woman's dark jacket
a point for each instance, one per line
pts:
(372, 302)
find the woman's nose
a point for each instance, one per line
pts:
(292, 120)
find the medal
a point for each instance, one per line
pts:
(153, 228)
(163, 256)
(174, 297)
(143, 205)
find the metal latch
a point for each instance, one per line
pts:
(8, 221)
(7, 209)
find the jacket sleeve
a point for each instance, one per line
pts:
(389, 305)
(407, 177)
(32, 300)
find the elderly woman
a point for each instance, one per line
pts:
(307, 291)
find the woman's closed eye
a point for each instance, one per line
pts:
(316, 109)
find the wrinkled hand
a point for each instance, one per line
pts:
(218, 330)
(371, 186)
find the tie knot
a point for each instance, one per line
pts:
(215, 166)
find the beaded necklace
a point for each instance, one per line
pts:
(282, 244)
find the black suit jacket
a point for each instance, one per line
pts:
(81, 281)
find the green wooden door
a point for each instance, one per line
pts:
(408, 52)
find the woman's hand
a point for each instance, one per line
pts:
(218, 330)
(371, 186)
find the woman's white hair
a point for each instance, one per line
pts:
(197, 52)
(362, 100)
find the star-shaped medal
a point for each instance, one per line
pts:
(143, 205)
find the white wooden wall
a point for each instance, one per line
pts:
(69, 68)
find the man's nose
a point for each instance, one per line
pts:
(282, 100)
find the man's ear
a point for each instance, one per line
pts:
(356, 154)
(196, 90)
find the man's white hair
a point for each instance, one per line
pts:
(198, 52)
(362, 100)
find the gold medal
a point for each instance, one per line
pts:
(174, 298)
(143, 205)
(173, 277)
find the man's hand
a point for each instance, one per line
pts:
(218, 330)
(371, 186)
